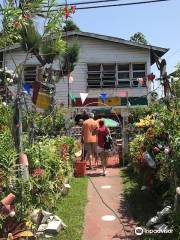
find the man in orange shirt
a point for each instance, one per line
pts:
(89, 135)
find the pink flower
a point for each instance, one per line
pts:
(38, 172)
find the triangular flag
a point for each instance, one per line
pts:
(122, 94)
(83, 97)
(103, 96)
(72, 96)
(26, 88)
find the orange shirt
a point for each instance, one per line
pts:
(88, 128)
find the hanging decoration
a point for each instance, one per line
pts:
(83, 97)
(43, 100)
(36, 88)
(70, 78)
(141, 82)
(41, 95)
(122, 94)
(26, 88)
(151, 77)
(72, 96)
(103, 97)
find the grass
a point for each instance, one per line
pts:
(71, 210)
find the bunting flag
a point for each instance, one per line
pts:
(83, 97)
(41, 98)
(70, 78)
(151, 77)
(36, 88)
(72, 96)
(141, 81)
(26, 88)
(122, 94)
(103, 97)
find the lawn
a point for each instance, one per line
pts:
(71, 210)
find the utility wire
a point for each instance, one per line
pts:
(85, 3)
(114, 5)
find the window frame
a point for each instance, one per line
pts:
(36, 69)
(130, 82)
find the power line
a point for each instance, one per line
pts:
(85, 3)
(111, 5)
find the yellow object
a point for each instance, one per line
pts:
(116, 110)
(10, 236)
(25, 234)
(78, 149)
(146, 122)
(110, 101)
(43, 100)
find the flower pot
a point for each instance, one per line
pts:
(23, 159)
(80, 169)
(8, 199)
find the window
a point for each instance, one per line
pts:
(94, 75)
(115, 75)
(139, 70)
(108, 75)
(30, 73)
(123, 75)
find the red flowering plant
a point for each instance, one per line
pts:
(68, 10)
(37, 172)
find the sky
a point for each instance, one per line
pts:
(159, 22)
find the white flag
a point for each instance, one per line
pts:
(70, 78)
(83, 97)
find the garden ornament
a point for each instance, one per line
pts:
(167, 150)
(143, 188)
(147, 157)
(160, 216)
(8, 199)
(156, 150)
(160, 146)
(177, 200)
(23, 161)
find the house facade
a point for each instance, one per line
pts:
(106, 65)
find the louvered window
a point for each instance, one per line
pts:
(123, 75)
(30, 72)
(94, 75)
(108, 75)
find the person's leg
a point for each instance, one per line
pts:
(90, 154)
(103, 161)
(95, 154)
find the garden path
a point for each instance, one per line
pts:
(110, 189)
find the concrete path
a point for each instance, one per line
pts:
(110, 189)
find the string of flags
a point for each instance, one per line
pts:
(42, 93)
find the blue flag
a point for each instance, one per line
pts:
(26, 88)
(103, 96)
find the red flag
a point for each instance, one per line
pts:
(36, 88)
